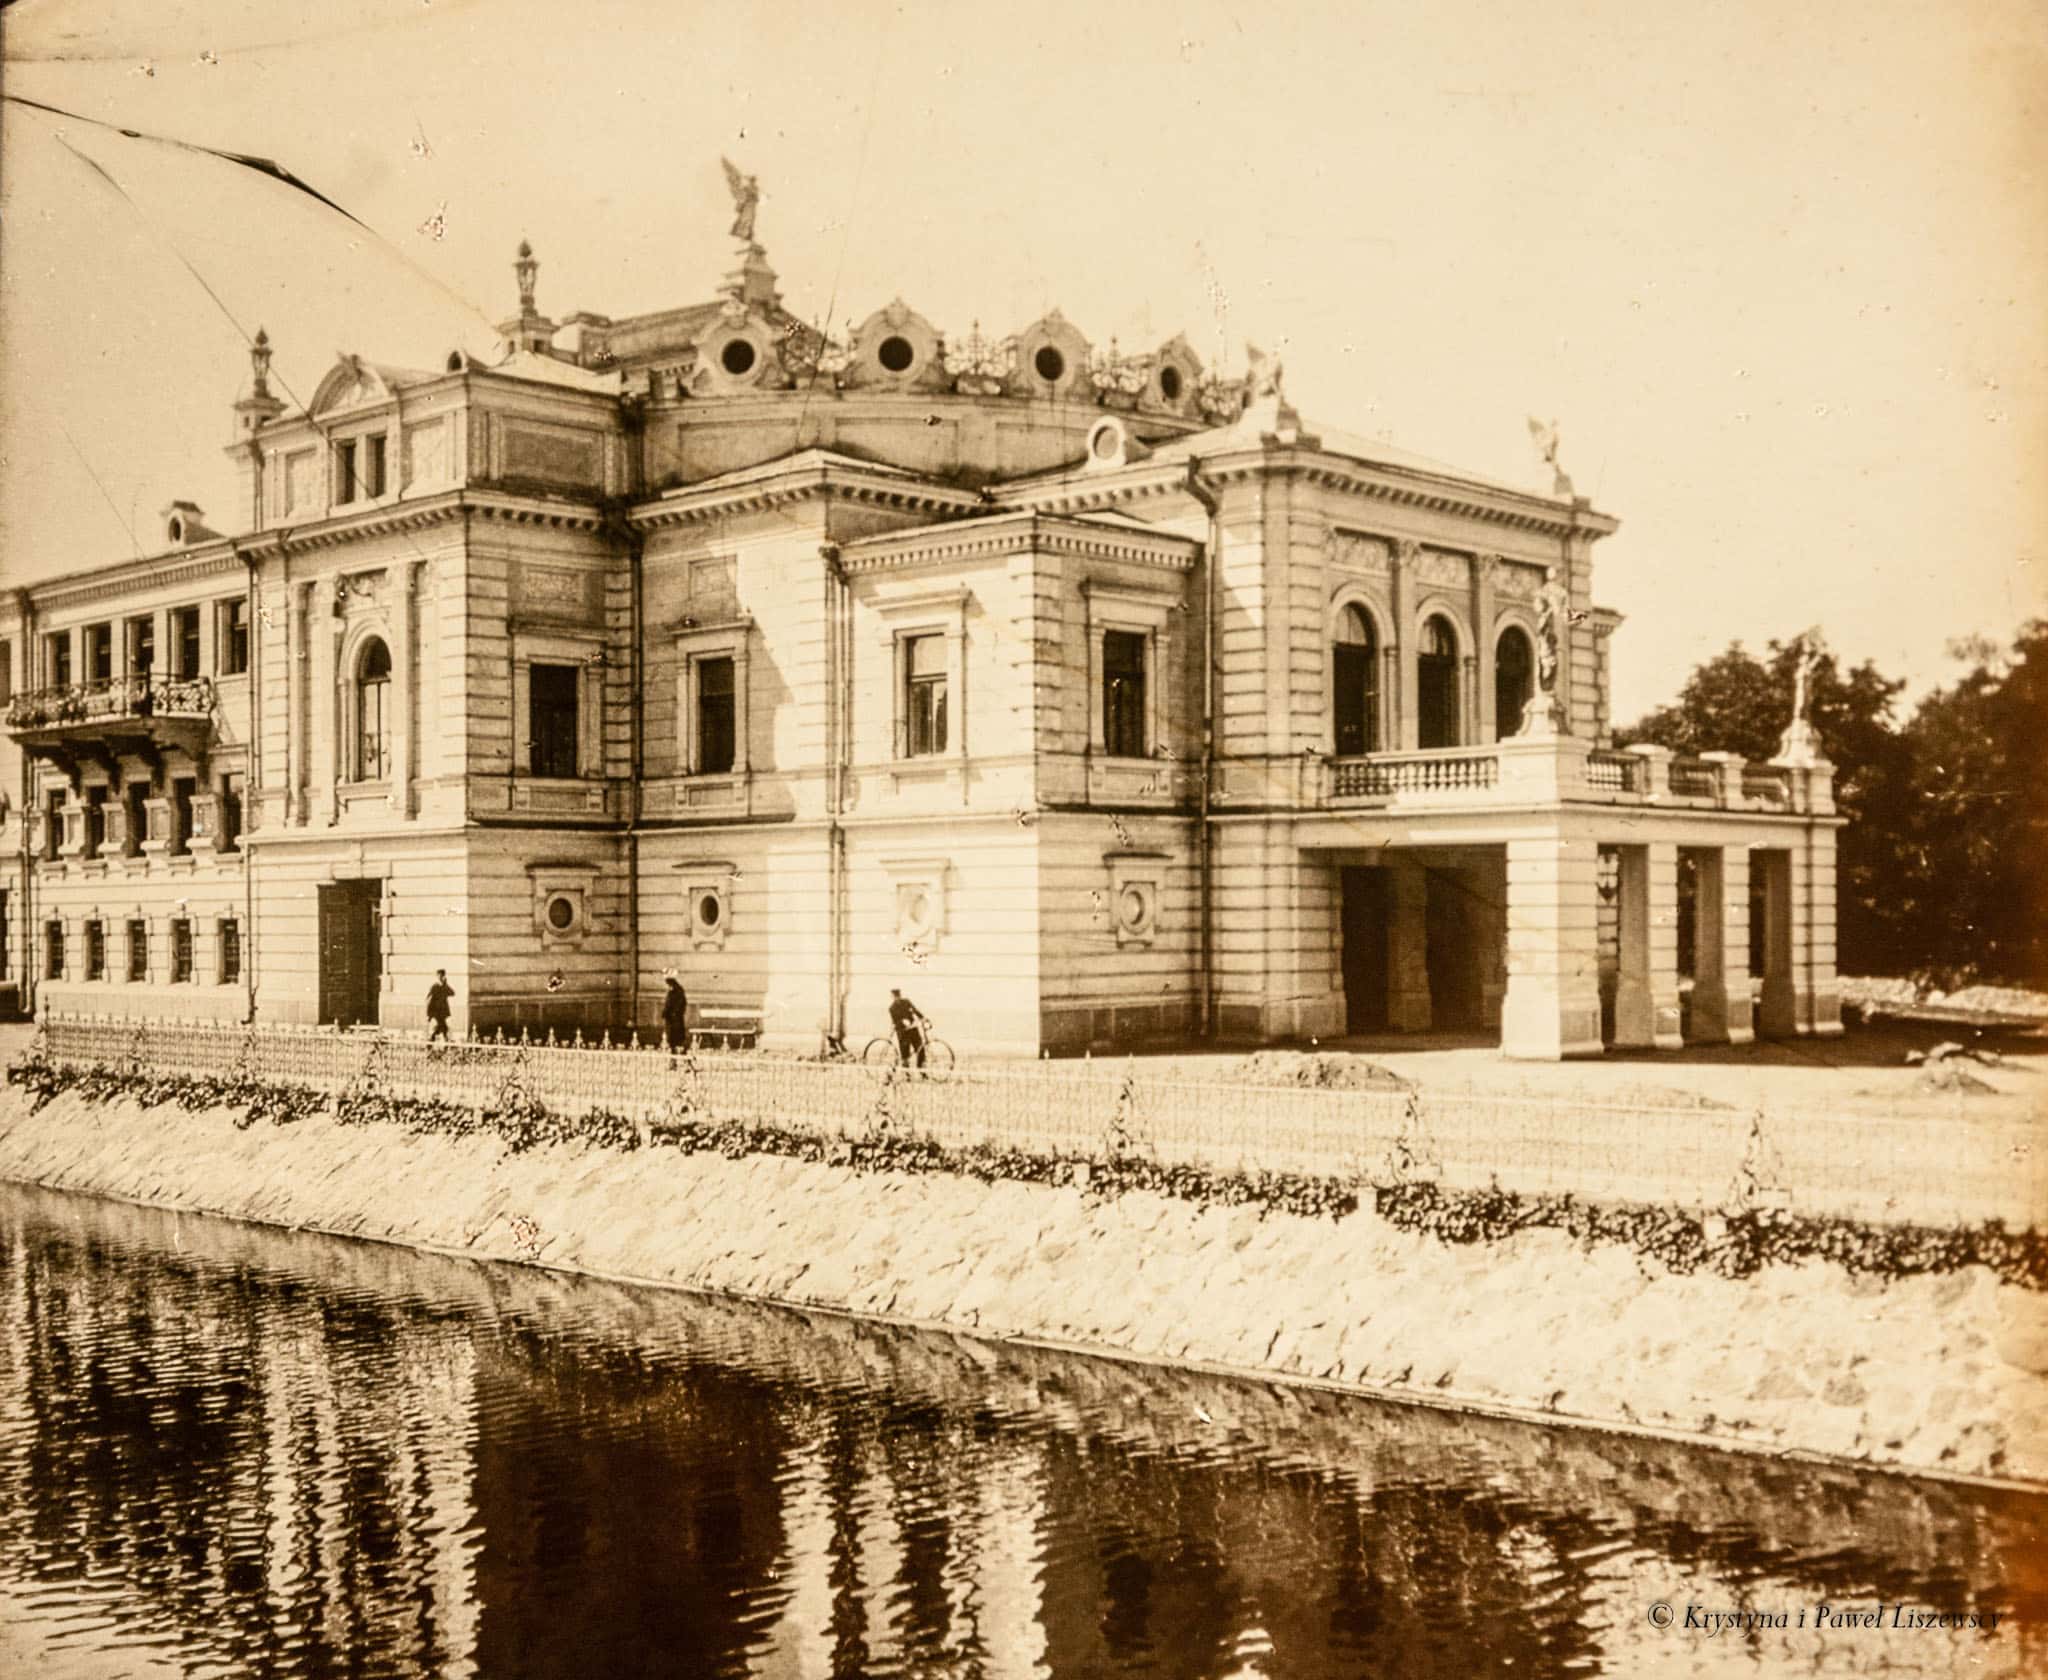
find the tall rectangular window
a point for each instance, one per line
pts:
(181, 950)
(234, 637)
(551, 719)
(6, 672)
(136, 798)
(184, 641)
(230, 951)
(229, 806)
(53, 824)
(99, 652)
(6, 942)
(373, 465)
(95, 950)
(57, 657)
(141, 646)
(138, 950)
(345, 472)
(95, 820)
(53, 951)
(715, 732)
(182, 790)
(924, 695)
(1123, 694)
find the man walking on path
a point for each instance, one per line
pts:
(439, 995)
(675, 1015)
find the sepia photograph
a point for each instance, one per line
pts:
(920, 841)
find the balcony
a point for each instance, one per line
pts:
(142, 715)
(1569, 771)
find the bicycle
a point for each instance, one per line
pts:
(884, 1053)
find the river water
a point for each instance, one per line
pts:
(226, 1450)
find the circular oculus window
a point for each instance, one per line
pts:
(1108, 439)
(1169, 383)
(561, 913)
(1049, 363)
(896, 353)
(737, 357)
(709, 909)
(1132, 907)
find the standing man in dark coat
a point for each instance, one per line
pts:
(909, 1022)
(675, 1015)
(439, 995)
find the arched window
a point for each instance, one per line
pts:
(373, 714)
(1355, 674)
(1436, 686)
(1514, 680)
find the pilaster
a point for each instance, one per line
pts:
(1552, 1006)
(1484, 569)
(1402, 566)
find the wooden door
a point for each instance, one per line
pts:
(351, 961)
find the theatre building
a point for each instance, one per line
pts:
(1090, 698)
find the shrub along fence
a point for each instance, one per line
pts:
(1941, 1170)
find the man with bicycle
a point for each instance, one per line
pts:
(912, 1029)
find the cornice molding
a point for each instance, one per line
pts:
(1402, 486)
(1014, 534)
(685, 506)
(134, 577)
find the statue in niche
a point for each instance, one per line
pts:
(1553, 615)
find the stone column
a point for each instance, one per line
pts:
(1407, 700)
(1816, 1000)
(1408, 1006)
(1777, 1011)
(1720, 982)
(1487, 727)
(403, 589)
(1552, 1007)
(1663, 908)
(1634, 1015)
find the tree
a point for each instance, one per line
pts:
(1741, 703)
(1974, 830)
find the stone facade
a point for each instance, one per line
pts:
(1090, 699)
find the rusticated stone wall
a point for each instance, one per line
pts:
(1944, 1375)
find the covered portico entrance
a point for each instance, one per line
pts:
(1419, 938)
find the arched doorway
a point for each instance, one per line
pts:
(1355, 674)
(1514, 680)
(1436, 685)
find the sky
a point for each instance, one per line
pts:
(1777, 273)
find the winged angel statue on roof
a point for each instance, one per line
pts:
(746, 194)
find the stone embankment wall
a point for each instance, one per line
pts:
(1947, 1375)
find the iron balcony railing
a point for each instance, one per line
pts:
(110, 700)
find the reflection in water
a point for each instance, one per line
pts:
(229, 1451)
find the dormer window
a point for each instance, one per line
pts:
(345, 471)
(373, 465)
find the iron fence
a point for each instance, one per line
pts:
(1937, 1168)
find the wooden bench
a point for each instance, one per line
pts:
(726, 1028)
